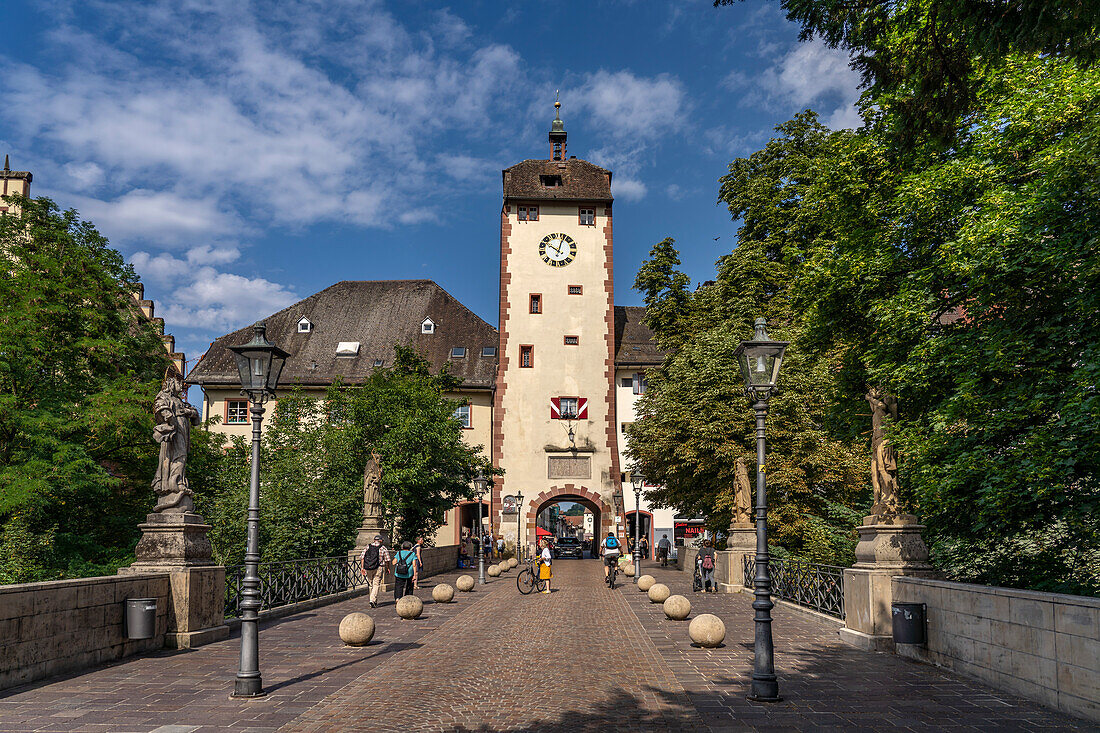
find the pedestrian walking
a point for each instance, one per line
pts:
(545, 560)
(645, 548)
(500, 546)
(404, 563)
(706, 564)
(663, 548)
(418, 548)
(374, 559)
(463, 555)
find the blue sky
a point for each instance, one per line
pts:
(243, 155)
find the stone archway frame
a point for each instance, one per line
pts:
(569, 492)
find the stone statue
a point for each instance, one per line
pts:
(174, 418)
(884, 462)
(742, 497)
(372, 480)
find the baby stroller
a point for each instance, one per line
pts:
(697, 578)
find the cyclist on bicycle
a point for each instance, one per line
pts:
(611, 549)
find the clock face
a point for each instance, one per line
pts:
(557, 250)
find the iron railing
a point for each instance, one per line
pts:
(291, 581)
(820, 587)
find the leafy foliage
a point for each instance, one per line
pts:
(313, 454)
(924, 59)
(78, 372)
(965, 282)
(694, 421)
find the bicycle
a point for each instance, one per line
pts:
(528, 579)
(612, 573)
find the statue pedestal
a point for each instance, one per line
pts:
(740, 541)
(371, 528)
(176, 543)
(887, 547)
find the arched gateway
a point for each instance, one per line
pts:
(604, 515)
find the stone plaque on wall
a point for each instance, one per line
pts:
(569, 467)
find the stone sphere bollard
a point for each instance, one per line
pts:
(465, 583)
(356, 629)
(659, 593)
(493, 571)
(646, 582)
(443, 593)
(628, 571)
(409, 607)
(677, 608)
(707, 630)
(513, 562)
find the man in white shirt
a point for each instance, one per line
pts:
(663, 548)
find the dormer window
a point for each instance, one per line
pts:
(458, 352)
(347, 348)
(379, 362)
(304, 326)
(549, 181)
(428, 326)
(488, 351)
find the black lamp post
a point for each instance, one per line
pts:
(259, 363)
(519, 524)
(481, 481)
(759, 360)
(637, 480)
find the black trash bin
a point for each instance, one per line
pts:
(141, 618)
(909, 622)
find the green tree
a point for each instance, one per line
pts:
(79, 368)
(313, 455)
(694, 421)
(971, 292)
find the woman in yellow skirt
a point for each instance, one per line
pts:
(544, 565)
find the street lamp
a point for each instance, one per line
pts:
(482, 482)
(637, 480)
(259, 363)
(519, 523)
(759, 360)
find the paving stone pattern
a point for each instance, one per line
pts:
(825, 683)
(583, 658)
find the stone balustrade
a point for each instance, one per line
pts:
(1043, 646)
(62, 625)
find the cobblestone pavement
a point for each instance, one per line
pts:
(825, 683)
(582, 658)
(301, 657)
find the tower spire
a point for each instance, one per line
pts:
(6, 168)
(557, 132)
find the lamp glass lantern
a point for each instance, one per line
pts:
(259, 363)
(760, 360)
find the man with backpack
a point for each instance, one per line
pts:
(706, 564)
(404, 564)
(375, 558)
(611, 549)
(663, 548)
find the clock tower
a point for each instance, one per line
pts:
(554, 430)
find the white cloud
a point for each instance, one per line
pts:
(809, 75)
(628, 189)
(222, 301)
(163, 216)
(206, 254)
(84, 175)
(631, 106)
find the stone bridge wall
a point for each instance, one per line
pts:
(1043, 646)
(63, 625)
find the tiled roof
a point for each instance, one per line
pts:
(375, 313)
(581, 181)
(634, 342)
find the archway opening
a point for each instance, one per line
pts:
(466, 524)
(644, 520)
(571, 521)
